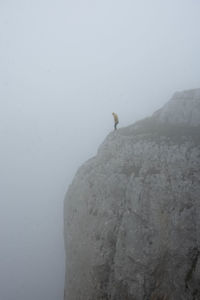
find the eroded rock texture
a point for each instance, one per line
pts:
(132, 213)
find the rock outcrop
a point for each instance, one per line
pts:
(132, 213)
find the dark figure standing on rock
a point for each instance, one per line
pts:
(116, 120)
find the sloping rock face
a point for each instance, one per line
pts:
(132, 213)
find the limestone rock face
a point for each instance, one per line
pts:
(132, 213)
(184, 108)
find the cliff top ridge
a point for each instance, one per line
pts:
(182, 109)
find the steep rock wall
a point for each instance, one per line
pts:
(132, 213)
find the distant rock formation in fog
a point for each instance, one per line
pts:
(132, 213)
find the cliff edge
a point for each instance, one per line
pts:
(132, 213)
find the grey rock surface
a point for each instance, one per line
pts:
(132, 213)
(183, 108)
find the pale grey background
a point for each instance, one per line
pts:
(65, 66)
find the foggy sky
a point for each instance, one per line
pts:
(65, 66)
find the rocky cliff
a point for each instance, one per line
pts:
(132, 213)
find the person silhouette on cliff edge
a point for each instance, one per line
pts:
(116, 120)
